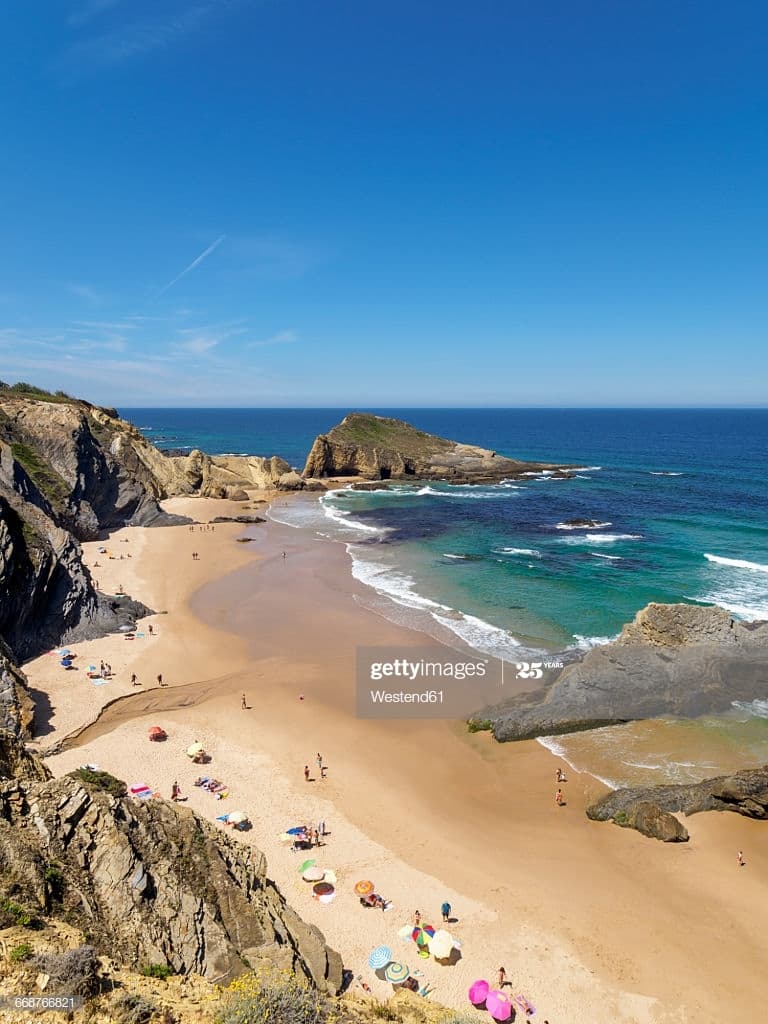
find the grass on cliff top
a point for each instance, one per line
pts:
(100, 780)
(383, 432)
(23, 390)
(45, 478)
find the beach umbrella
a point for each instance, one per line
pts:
(422, 934)
(156, 730)
(313, 875)
(498, 1005)
(380, 957)
(195, 749)
(307, 864)
(396, 973)
(237, 817)
(441, 944)
(296, 831)
(364, 888)
(478, 992)
(322, 889)
(406, 932)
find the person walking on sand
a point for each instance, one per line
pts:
(149, 629)
(417, 918)
(175, 791)
(501, 980)
(306, 773)
(740, 859)
(134, 681)
(319, 760)
(445, 910)
(244, 703)
(160, 679)
(559, 798)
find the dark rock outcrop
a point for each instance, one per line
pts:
(151, 883)
(680, 660)
(380, 448)
(650, 808)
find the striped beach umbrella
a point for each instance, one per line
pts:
(396, 973)
(380, 957)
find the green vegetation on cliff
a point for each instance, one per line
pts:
(45, 478)
(384, 432)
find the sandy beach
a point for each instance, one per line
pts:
(592, 923)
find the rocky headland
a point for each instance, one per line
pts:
(679, 660)
(651, 809)
(380, 448)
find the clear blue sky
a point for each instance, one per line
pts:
(288, 202)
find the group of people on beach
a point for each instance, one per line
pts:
(321, 769)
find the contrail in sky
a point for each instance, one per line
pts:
(195, 263)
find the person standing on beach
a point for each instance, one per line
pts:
(559, 798)
(445, 910)
(306, 773)
(319, 760)
(160, 679)
(149, 629)
(244, 703)
(502, 979)
(175, 791)
(417, 918)
(741, 860)
(134, 681)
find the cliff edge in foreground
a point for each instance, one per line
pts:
(380, 448)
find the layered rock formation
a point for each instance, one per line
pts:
(679, 659)
(380, 448)
(151, 882)
(650, 809)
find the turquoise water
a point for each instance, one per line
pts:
(681, 502)
(680, 495)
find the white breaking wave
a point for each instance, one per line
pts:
(737, 563)
(586, 643)
(554, 746)
(664, 472)
(462, 558)
(600, 538)
(398, 586)
(610, 558)
(465, 494)
(532, 552)
(478, 634)
(341, 516)
(756, 708)
(594, 525)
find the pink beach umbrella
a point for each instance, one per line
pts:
(478, 992)
(498, 1005)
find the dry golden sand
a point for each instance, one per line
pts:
(592, 923)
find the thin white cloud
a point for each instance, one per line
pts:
(85, 291)
(195, 263)
(104, 325)
(139, 38)
(279, 338)
(91, 9)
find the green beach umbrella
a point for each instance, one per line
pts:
(305, 865)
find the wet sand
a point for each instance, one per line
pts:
(592, 922)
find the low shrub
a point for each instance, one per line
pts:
(20, 953)
(74, 972)
(101, 780)
(479, 725)
(156, 971)
(276, 997)
(12, 913)
(134, 1009)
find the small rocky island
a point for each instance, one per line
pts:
(381, 448)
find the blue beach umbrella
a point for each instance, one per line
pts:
(380, 957)
(295, 831)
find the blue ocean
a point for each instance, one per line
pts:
(679, 499)
(679, 503)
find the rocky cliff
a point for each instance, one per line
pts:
(151, 882)
(651, 809)
(68, 471)
(379, 448)
(678, 659)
